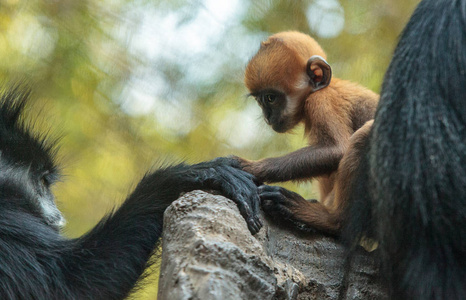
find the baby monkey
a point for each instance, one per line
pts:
(292, 82)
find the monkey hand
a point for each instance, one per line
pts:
(252, 167)
(225, 175)
(285, 206)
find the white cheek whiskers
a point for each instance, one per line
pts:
(302, 83)
(294, 101)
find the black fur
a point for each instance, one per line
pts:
(417, 162)
(36, 262)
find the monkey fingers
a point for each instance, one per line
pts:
(223, 175)
(251, 167)
(280, 202)
(245, 195)
(290, 207)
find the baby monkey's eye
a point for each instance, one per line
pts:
(270, 98)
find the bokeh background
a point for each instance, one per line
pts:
(133, 84)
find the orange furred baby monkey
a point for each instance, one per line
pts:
(292, 83)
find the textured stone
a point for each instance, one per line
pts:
(208, 253)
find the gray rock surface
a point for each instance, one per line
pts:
(208, 253)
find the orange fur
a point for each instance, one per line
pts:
(331, 116)
(327, 215)
(278, 59)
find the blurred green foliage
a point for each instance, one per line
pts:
(134, 84)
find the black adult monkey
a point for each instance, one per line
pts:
(417, 156)
(36, 262)
(408, 187)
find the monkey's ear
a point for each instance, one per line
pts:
(319, 71)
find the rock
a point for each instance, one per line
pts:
(208, 253)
